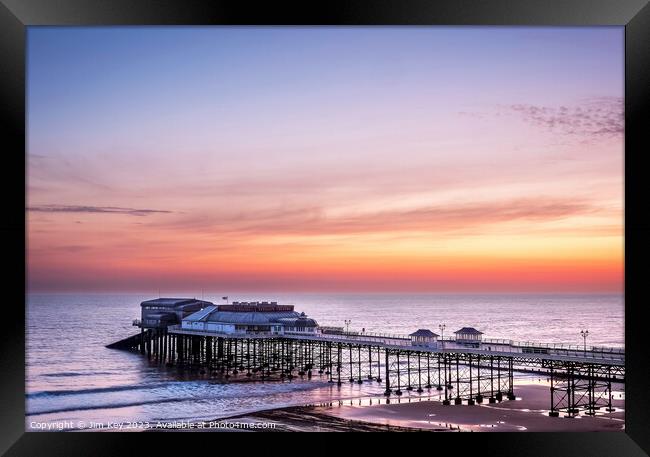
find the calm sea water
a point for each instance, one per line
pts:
(71, 376)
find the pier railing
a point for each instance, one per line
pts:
(502, 345)
(575, 347)
(386, 338)
(402, 338)
(490, 345)
(556, 347)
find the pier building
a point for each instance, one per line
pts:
(163, 312)
(251, 318)
(424, 338)
(468, 336)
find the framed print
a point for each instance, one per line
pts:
(365, 218)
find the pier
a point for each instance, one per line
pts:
(464, 372)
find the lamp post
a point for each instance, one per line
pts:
(442, 340)
(584, 334)
(347, 325)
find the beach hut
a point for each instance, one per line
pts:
(424, 337)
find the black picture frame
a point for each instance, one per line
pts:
(16, 15)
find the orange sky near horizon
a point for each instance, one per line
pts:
(241, 174)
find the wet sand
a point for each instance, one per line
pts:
(314, 419)
(528, 413)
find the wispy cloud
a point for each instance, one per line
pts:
(94, 209)
(313, 220)
(70, 249)
(601, 116)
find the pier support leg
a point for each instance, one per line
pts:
(492, 399)
(378, 364)
(408, 371)
(553, 412)
(419, 375)
(399, 381)
(339, 363)
(387, 392)
(458, 400)
(470, 400)
(609, 390)
(511, 391)
(359, 381)
(479, 395)
(351, 363)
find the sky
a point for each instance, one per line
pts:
(325, 159)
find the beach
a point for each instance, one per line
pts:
(529, 412)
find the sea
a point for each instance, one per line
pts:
(73, 381)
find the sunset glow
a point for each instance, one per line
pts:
(325, 159)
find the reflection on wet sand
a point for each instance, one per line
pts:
(529, 412)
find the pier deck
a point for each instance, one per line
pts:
(558, 352)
